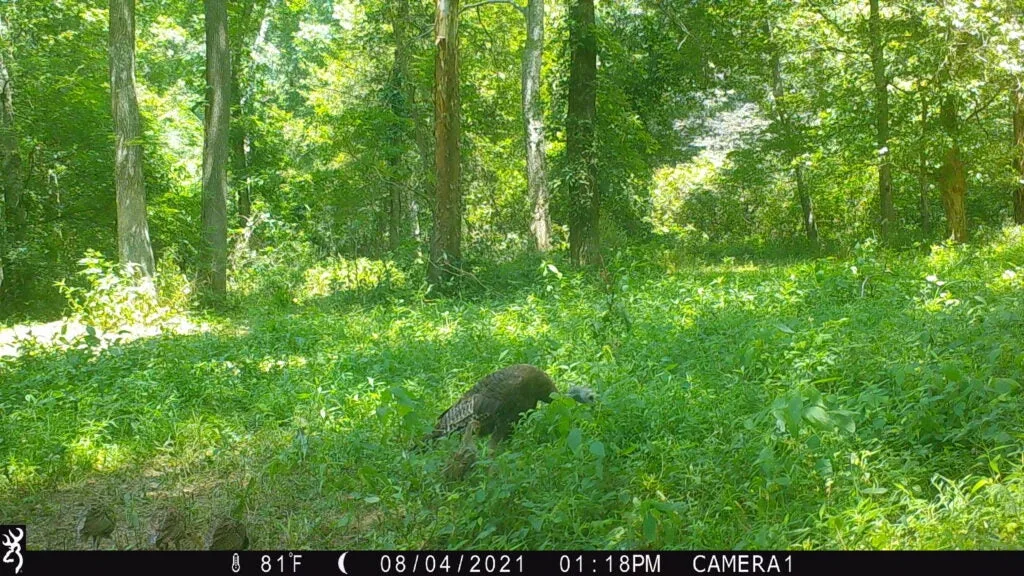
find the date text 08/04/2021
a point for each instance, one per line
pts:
(591, 563)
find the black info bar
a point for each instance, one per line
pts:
(486, 563)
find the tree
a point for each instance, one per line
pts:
(952, 177)
(446, 239)
(133, 244)
(215, 149)
(12, 215)
(923, 176)
(580, 145)
(421, 132)
(881, 80)
(792, 142)
(533, 120)
(1018, 141)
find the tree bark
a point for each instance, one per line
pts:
(246, 39)
(396, 208)
(239, 154)
(1018, 143)
(580, 125)
(952, 177)
(806, 205)
(888, 210)
(12, 212)
(446, 240)
(215, 149)
(133, 245)
(922, 170)
(792, 143)
(533, 118)
(421, 133)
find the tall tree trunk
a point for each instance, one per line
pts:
(806, 204)
(533, 118)
(922, 170)
(250, 28)
(793, 143)
(888, 211)
(239, 154)
(580, 145)
(952, 177)
(12, 212)
(446, 241)
(215, 149)
(400, 20)
(396, 208)
(133, 244)
(1018, 143)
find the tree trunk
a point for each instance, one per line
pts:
(446, 241)
(239, 155)
(806, 205)
(533, 118)
(246, 39)
(580, 146)
(420, 129)
(1018, 142)
(792, 144)
(922, 170)
(133, 244)
(12, 213)
(888, 211)
(952, 177)
(215, 149)
(396, 208)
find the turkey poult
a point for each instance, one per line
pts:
(498, 400)
(96, 523)
(463, 458)
(170, 530)
(228, 534)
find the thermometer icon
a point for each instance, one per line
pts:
(235, 566)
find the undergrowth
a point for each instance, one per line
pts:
(865, 401)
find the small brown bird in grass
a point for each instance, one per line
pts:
(463, 458)
(97, 522)
(228, 534)
(170, 530)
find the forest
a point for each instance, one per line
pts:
(731, 274)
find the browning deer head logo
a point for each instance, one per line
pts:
(13, 544)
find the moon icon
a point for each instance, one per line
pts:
(341, 563)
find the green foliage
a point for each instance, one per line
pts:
(111, 296)
(749, 404)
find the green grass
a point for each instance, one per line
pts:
(825, 403)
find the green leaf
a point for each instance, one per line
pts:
(874, 490)
(952, 373)
(784, 328)
(1004, 385)
(794, 413)
(597, 448)
(823, 467)
(650, 526)
(575, 439)
(817, 416)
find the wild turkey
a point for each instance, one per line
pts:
(463, 458)
(97, 522)
(170, 530)
(498, 400)
(228, 534)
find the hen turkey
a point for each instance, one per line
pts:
(498, 400)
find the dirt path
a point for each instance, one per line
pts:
(68, 332)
